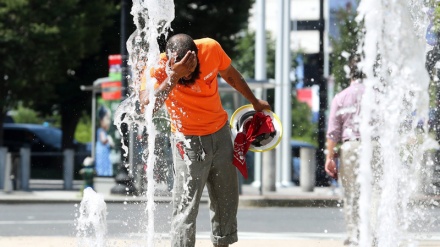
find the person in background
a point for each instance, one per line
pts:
(343, 129)
(201, 142)
(104, 143)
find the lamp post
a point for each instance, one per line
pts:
(321, 178)
(319, 25)
(124, 183)
(124, 53)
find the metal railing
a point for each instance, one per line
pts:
(15, 168)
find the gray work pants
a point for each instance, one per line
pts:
(204, 160)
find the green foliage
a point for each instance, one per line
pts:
(344, 47)
(221, 20)
(244, 55)
(26, 115)
(54, 120)
(42, 45)
(435, 18)
(40, 41)
(50, 48)
(83, 132)
(302, 126)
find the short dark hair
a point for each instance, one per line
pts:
(355, 71)
(180, 44)
(102, 111)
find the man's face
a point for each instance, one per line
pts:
(190, 72)
(191, 65)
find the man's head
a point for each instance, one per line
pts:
(355, 72)
(178, 45)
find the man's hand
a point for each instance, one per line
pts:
(143, 100)
(261, 105)
(110, 141)
(331, 168)
(184, 68)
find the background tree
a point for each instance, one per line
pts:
(302, 126)
(344, 46)
(43, 45)
(243, 55)
(50, 48)
(26, 115)
(83, 128)
(221, 20)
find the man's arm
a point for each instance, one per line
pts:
(161, 93)
(177, 71)
(334, 134)
(234, 78)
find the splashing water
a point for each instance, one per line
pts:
(152, 19)
(394, 105)
(91, 222)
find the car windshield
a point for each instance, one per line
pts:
(50, 136)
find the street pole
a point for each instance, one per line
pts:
(286, 161)
(124, 70)
(124, 53)
(321, 178)
(94, 122)
(124, 182)
(278, 82)
(260, 74)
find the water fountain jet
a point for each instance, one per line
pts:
(394, 104)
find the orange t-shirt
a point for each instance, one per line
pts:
(197, 109)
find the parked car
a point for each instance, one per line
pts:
(8, 119)
(296, 145)
(45, 145)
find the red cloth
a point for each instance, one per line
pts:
(260, 124)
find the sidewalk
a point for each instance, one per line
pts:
(121, 242)
(71, 242)
(50, 191)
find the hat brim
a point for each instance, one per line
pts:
(275, 120)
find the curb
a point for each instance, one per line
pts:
(244, 201)
(301, 202)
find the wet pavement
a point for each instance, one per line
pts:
(292, 196)
(70, 241)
